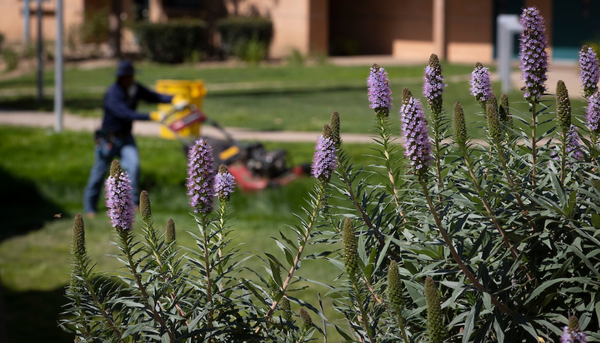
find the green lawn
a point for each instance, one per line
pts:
(278, 98)
(43, 174)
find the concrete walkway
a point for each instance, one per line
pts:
(146, 128)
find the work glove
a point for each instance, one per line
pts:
(157, 116)
(181, 105)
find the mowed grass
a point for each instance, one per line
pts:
(43, 175)
(270, 97)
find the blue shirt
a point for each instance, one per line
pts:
(120, 107)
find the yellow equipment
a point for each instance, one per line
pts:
(192, 91)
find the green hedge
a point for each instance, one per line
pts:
(171, 42)
(237, 32)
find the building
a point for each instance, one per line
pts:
(458, 30)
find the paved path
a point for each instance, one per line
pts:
(145, 128)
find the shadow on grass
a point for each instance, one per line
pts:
(22, 207)
(72, 103)
(32, 316)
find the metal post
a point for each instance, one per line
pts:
(507, 26)
(58, 69)
(25, 22)
(40, 46)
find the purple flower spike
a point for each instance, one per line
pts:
(224, 184)
(325, 158)
(433, 84)
(572, 333)
(573, 144)
(573, 147)
(201, 177)
(588, 73)
(380, 93)
(593, 113)
(572, 336)
(119, 201)
(416, 137)
(534, 59)
(481, 85)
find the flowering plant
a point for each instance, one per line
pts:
(445, 239)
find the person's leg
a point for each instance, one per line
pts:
(102, 159)
(130, 161)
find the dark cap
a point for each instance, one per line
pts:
(125, 68)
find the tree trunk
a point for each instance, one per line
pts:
(114, 28)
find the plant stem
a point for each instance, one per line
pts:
(363, 313)
(209, 297)
(107, 318)
(563, 160)
(153, 242)
(533, 141)
(513, 185)
(437, 152)
(345, 178)
(124, 234)
(385, 140)
(310, 224)
(455, 255)
(401, 324)
(491, 215)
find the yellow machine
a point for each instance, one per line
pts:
(193, 92)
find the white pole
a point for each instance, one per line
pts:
(40, 71)
(58, 69)
(25, 22)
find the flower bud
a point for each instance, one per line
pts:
(334, 123)
(460, 128)
(306, 318)
(145, 209)
(493, 122)
(350, 249)
(395, 287)
(170, 235)
(563, 106)
(434, 312)
(78, 248)
(572, 333)
(406, 95)
(328, 132)
(115, 168)
(286, 312)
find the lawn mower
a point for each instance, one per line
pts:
(253, 166)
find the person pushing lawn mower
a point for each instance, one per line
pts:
(114, 139)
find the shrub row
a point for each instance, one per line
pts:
(176, 41)
(171, 42)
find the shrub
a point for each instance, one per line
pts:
(11, 58)
(236, 32)
(489, 241)
(1, 41)
(252, 51)
(94, 28)
(296, 58)
(171, 42)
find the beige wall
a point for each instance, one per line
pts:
(297, 24)
(11, 18)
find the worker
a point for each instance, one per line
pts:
(114, 139)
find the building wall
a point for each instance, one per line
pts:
(469, 26)
(378, 26)
(11, 18)
(297, 24)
